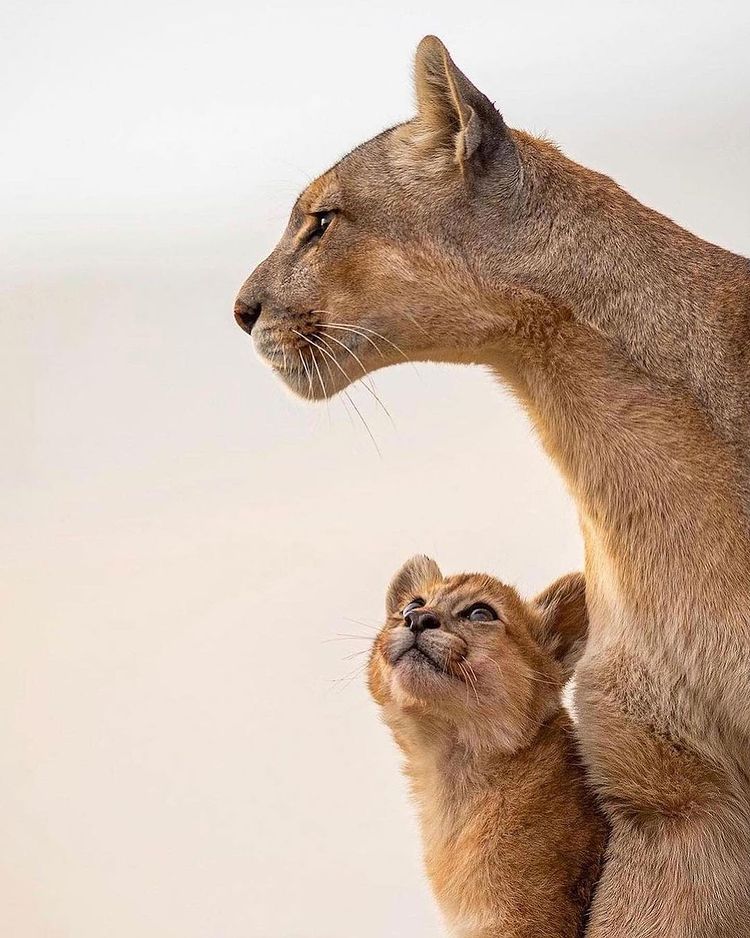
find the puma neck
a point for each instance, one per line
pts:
(678, 305)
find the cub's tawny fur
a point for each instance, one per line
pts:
(469, 678)
(456, 238)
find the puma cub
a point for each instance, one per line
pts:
(469, 678)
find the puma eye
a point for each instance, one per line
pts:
(323, 220)
(414, 604)
(479, 612)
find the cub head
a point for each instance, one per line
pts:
(466, 655)
(382, 250)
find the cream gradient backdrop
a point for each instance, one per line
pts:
(181, 539)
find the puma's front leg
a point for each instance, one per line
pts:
(678, 863)
(662, 689)
(683, 885)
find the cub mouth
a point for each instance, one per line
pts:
(421, 657)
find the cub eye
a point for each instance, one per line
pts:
(479, 612)
(414, 604)
(323, 220)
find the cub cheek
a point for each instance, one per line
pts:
(378, 680)
(486, 668)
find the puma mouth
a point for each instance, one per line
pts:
(316, 363)
(269, 348)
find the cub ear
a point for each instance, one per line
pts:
(453, 113)
(417, 573)
(563, 624)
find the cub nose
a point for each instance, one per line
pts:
(246, 314)
(420, 619)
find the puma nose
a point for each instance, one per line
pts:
(419, 620)
(246, 314)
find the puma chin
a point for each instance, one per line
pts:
(316, 357)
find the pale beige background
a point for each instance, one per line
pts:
(179, 757)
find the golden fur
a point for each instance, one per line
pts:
(455, 238)
(513, 839)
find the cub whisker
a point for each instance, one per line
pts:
(347, 638)
(346, 680)
(367, 625)
(356, 654)
(466, 681)
(471, 674)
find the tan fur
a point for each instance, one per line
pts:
(628, 341)
(513, 839)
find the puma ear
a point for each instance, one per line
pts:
(563, 624)
(454, 114)
(416, 574)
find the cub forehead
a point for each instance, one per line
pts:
(465, 588)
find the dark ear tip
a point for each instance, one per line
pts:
(430, 49)
(423, 558)
(417, 570)
(421, 565)
(569, 587)
(577, 584)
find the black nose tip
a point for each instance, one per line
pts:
(246, 314)
(419, 620)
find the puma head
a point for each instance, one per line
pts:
(383, 249)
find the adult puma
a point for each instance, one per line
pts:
(455, 238)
